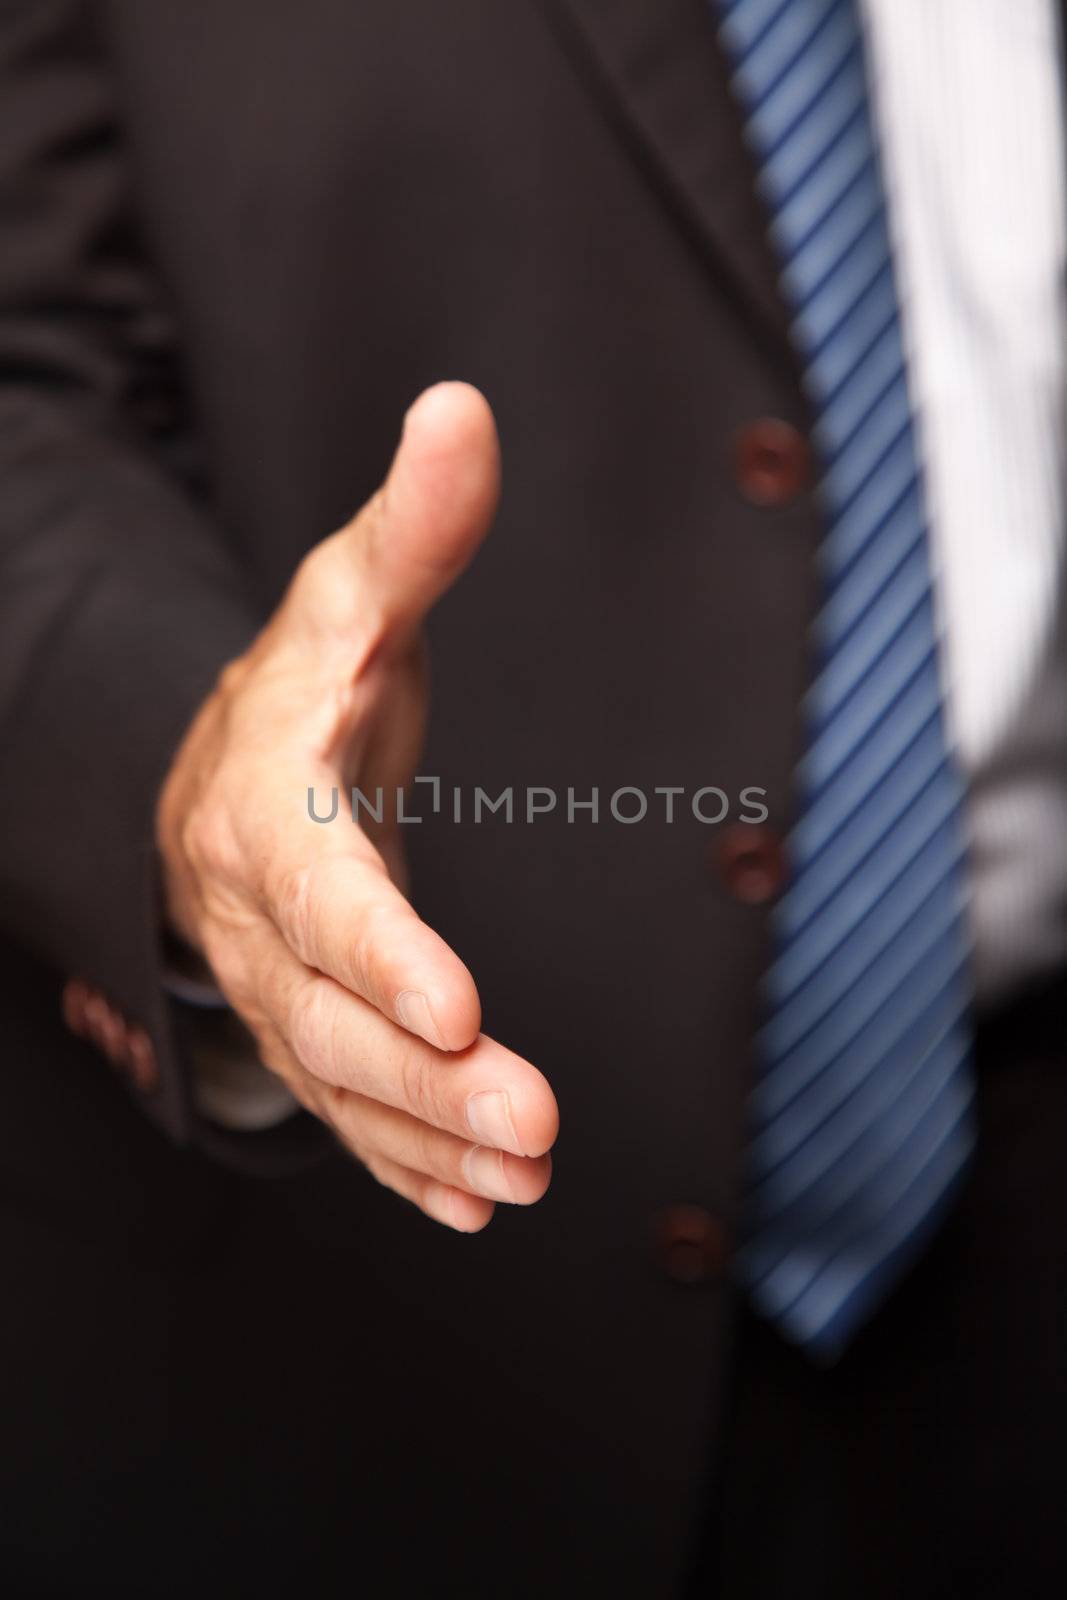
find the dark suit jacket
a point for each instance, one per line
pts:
(237, 238)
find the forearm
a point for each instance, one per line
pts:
(119, 600)
(116, 615)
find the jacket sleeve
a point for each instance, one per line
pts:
(119, 600)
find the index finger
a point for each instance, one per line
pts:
(486, 1093)
(339, 912)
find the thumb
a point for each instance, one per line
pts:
(381, 572)
(417, 534)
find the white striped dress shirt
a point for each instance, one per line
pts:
(967, 101)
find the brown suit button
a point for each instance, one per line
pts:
(692, 1246)
(751, 862)
(772, 462)
(97, 1013)
(141, 1058)
(114, 1038)
(75, 998)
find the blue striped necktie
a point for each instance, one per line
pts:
(861, 1109)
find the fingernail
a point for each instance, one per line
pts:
(413, 1009)
(484, 1171)
(489, 1119)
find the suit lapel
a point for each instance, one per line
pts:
(664, 80)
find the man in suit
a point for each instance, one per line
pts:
(237, 243)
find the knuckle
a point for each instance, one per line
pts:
(209, 844)
(368, 951)
(421, 1088)
(375, 515)
(234, 676)
(293, 895)
(323, 592)
(336, 1105)
(414, 1083)
(313, 1026)
(312, 573)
